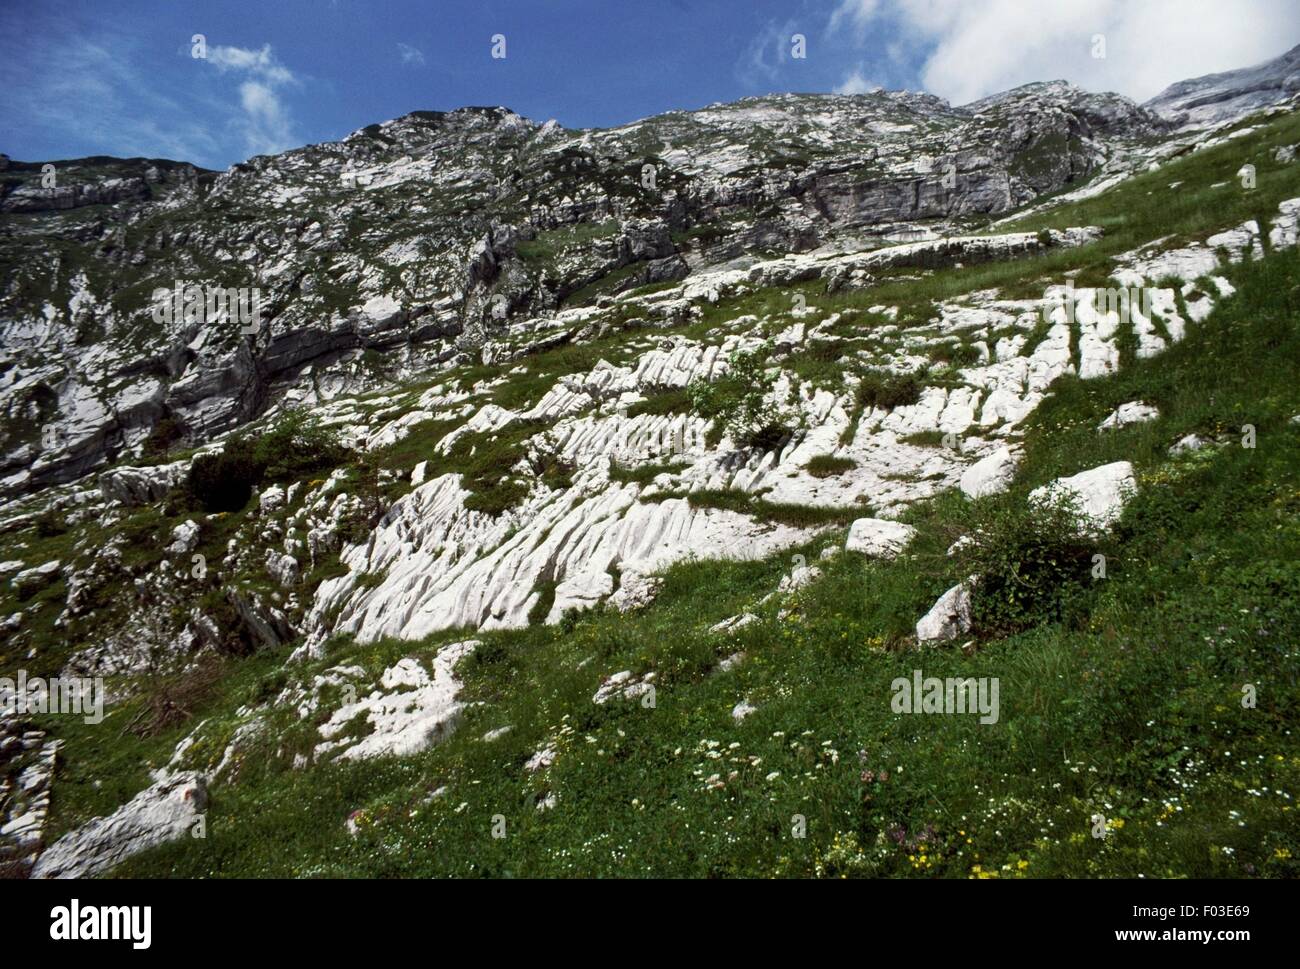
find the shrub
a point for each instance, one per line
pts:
(546, 462)
(1034, 562)
(488, 466)
(956, 354)
(295, 448)
(880, 388)
(739, 401)
(223, 482)
(165, 434)
(50, 524)
(828, 465)
(643, 473)
(291, 449)
(170, 699)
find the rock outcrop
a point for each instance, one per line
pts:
(169, 809)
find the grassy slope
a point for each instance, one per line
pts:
(1131, 710)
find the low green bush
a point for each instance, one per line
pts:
(292, 449)
(1034, 562)
(738, 401)
(880, 388)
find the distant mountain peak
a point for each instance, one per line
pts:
(1216, 98)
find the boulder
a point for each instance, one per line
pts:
(949, 617)
(409, 710)
(185, 537)
(282, 567)
(141, 486)
(1192, 442)
(37, 577)
(1134, 412)
(878, 537)
(163, 812)
(270, 500)
(800, 577)
(636, 589)
(742, 709)
(1099, 493)
(991, 474)
(734, 623)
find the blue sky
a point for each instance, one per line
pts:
(85, 77)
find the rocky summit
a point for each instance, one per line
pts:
(478, 496)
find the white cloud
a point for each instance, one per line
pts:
(768, 53)
(265, 124)
(410, 55)
(855, 83)
(261, 63)
(856, 14)
(968, 50)
(268, 128)
(91, 87)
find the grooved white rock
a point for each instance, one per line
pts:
(163, 812)
(409, 711)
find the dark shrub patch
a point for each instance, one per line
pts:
(828, 465)
(290, 450)
(223, 482)
(1033, 562)
(886, 390)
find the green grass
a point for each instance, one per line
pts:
(1124, 701)
(548, 245)
(673, 401)
(1130, 709)
(754, 505)
(828, 465)
(924, 439)
(643, 473)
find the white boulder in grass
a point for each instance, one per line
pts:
(878, 537)
(1099, 493)
(803, 575)
(185, 537)
(742, 709)
(1134, 412)
(166, 811)
(734, 624)
(37, 577)
(991, 474)
(1192, 442)
(950, 616)
(637, 588)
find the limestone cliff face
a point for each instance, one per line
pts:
(407, 245)
(1215, 98)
